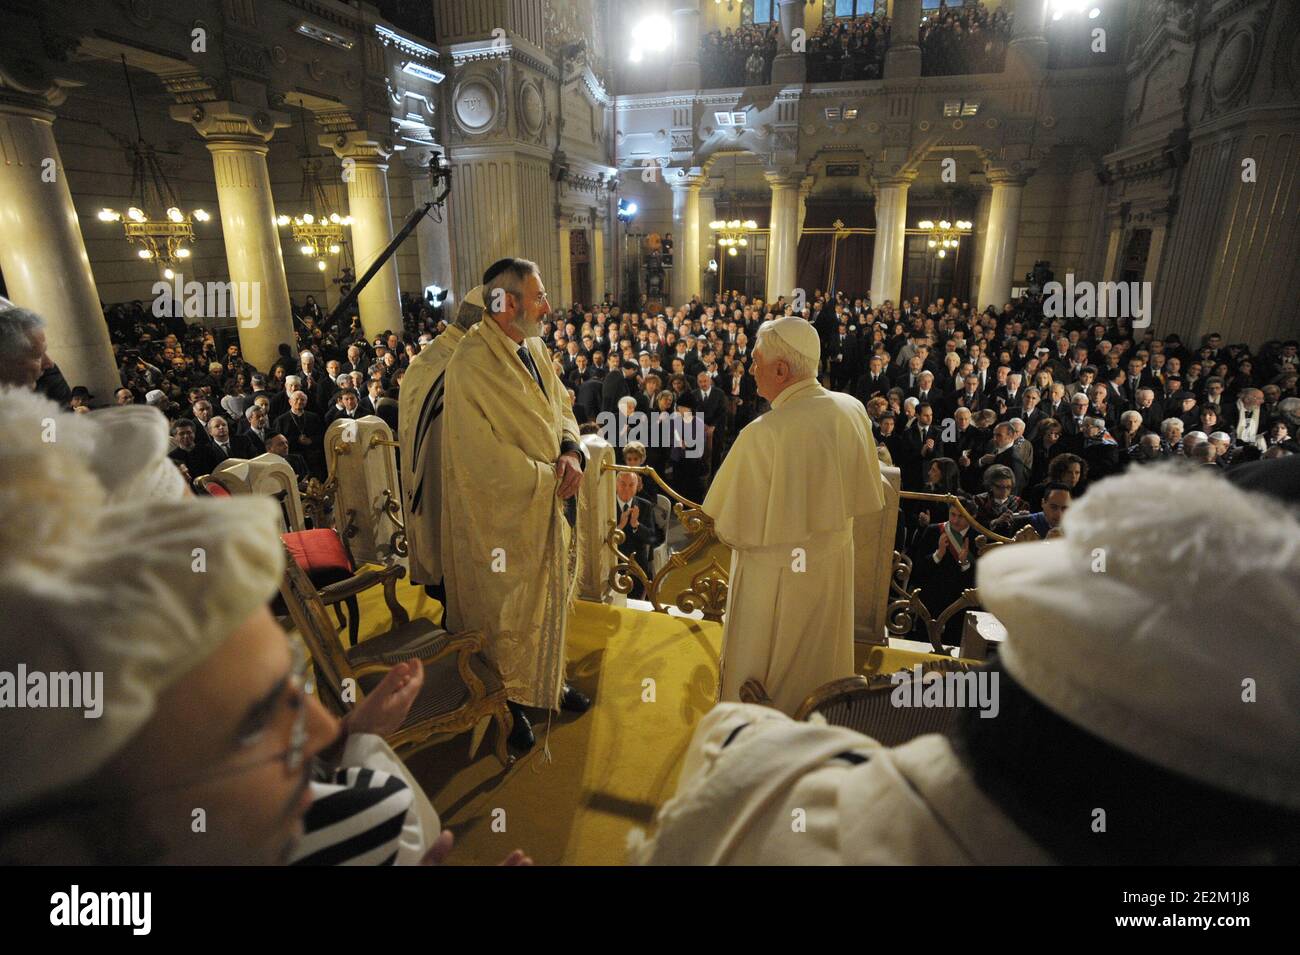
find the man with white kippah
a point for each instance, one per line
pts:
(139, 730)
(1131, 725)
(785, 500)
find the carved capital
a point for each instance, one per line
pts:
(360, 145)
(231, 123)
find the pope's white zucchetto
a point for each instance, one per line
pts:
(796, 333)
(1171, 602)
(102, 573)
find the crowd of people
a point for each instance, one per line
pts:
(738, 57)
(965, 38)
(1016, 416)
(956, 39)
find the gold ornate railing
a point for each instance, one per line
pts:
(707, 591)
(906, 608)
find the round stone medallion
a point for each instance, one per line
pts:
(476, 105)
(530, 108)
(1232, 65)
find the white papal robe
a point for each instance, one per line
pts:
(505, 540)
(419, 433)
(758, 788)
(785, 500)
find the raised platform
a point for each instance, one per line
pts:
(651, 677)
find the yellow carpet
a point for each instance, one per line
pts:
(612, 766)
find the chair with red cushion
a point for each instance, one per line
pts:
(328, 564)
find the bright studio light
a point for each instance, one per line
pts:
(1061, 8)
(654, 34)
(631, 208)
(1094, 13)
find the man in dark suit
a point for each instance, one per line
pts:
(185, 452)
(1074, 425)
(1004, 453)
(369, 405)
(712, 404)
(223, 445)
(635, 517)
(971, 397)
(928, 394)
(254, 427)
(921, 443)
(618, 385)
(305, 432)
(278, 444)
(842, 361)
(874, 381)
(347, 405)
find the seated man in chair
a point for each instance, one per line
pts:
(1080, 723)
(636, 519)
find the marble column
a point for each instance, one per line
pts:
(237, 136)
(996, 270)
(791, 67)
(891, 238)
(686, 46)
(599, 284)
(365, 170)
(805, 190)
(978, 233)
(1115, 235)
(432, 235)
(1028, 46)
(686, 232)
(1156, 251)
(708, 213)
(564, 281)
(42, 254)
(903, 58)
(783, 239)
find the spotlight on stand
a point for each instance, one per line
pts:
(439, 177)
(626, 210)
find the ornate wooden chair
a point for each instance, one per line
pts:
(462, 689)
(327, 560)
(866, 705)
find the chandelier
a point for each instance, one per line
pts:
(318, 231)
(733, 233)
(944, 235)
(154, 220)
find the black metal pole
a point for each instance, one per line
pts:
(341, 308)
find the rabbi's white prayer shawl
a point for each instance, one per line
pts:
(505, 542)
(757, 788)
(420, 435)
(784, 500)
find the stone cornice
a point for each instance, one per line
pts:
(503, 48)
(404, 44)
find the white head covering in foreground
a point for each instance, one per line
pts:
(110, 568)
(1169, 591)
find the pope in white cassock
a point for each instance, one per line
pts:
(785, 500)
(511, 460)
(420, 436)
